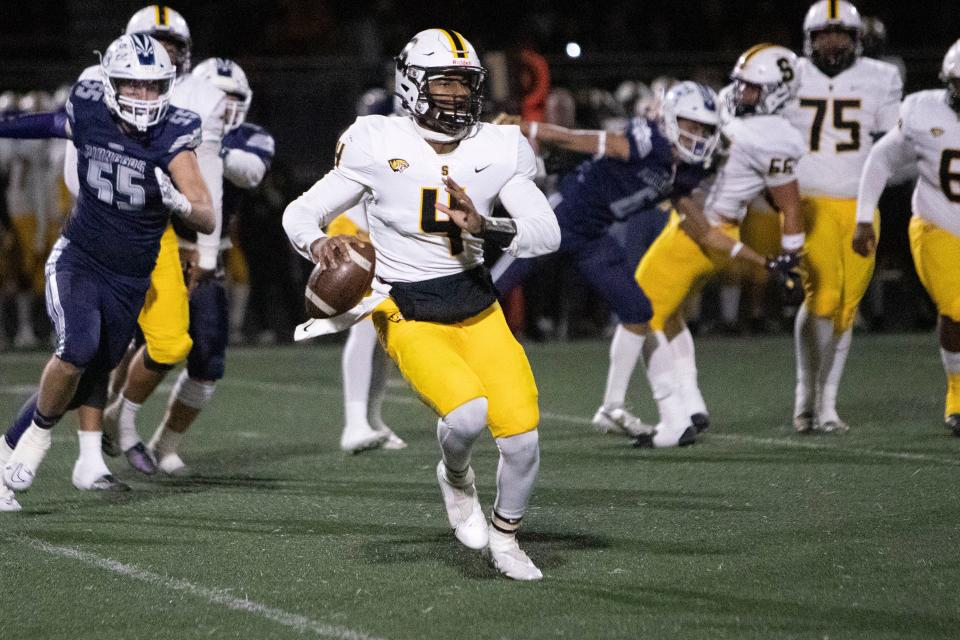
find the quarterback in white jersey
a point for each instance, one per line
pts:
(845, 101)
(761, 155)
(927, 134)
(432, 178)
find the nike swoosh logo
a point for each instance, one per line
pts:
(479, 169)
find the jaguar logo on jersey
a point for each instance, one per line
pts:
(936, 132)
(398, 164)
(144, 48)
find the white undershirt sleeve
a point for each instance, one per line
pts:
(538, 232)
(211, 168)
(888, 155)
(317, 207)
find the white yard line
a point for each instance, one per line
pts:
(213, 596)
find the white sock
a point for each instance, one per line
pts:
(380, 371)
(164, 441)
(625, 350)
(25, 313)
(91, 456)
(685, 361)
(830, 373)
(662, 374)
(127, 423)
(808, 358)
(357, 367)
(730, 303)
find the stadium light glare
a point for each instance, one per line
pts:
(573, 50)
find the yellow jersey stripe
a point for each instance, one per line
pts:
(754, 50)
(456, 43)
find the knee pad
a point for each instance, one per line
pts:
(521, 452)
(192, 393)
(468, 420)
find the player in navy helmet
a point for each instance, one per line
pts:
(137, 166)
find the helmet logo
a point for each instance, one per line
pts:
(398, 164)
(936, 132)
(144, 48)
(224, 67)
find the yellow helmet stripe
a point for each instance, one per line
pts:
(754, 50)
(833, 11)
(456, 42)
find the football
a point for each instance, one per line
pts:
(333, 291)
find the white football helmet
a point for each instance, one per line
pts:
(833, 15)
(771, 68)
(166, 25)
(438, 53)
(227, 76)
(950, 74)
(691, 101)
(141, 59)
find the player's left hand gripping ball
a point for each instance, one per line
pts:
(341, 280)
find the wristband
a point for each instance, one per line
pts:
(601, 145)
(792, 242)
(500, 231)
(736, 249)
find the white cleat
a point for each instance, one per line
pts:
(8, 501)
(170, 464)
(96, 478)
(360, 438)
(393, 441)
(620, 420)
(21, 467)
(506, 556)
(463, 509)
(833, 426)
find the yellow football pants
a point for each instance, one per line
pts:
(451, 364)
(165, 317)
(835, 277)
(673, 266)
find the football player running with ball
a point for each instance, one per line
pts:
(927, 134)
(845, 102)
(130, 143)
(434, 176)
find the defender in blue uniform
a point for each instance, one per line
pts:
(98, 273)
(630, 176)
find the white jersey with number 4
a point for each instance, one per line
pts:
(763, 152)
(386, 160)
(840, 117)
(928, 134)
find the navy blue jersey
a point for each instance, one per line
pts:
(119, 216)
(601, 192)
(252, 139)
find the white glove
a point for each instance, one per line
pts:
(173, 200)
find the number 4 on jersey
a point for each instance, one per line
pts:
(430, 224)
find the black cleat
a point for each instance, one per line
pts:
(953, 423)
(701, 422)
(688, 437)
(109, 483)
(643, 441)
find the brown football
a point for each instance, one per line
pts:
(331, 292)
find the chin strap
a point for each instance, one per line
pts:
(436, 136)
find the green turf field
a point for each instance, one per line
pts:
(753, 533)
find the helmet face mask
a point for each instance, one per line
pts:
(226, 75)
(832, 35)
(691, 120)
(137, 78)
(439, 82)
(950, 75)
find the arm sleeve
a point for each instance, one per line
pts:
(538, 232)
(70, 177)
(890, 153)
(211, 168)
(317, 207)
(889, 110)
(243, 169)
(36, 125)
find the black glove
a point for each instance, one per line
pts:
(784, 269)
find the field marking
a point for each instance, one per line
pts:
(221, 597)
(319, 390)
